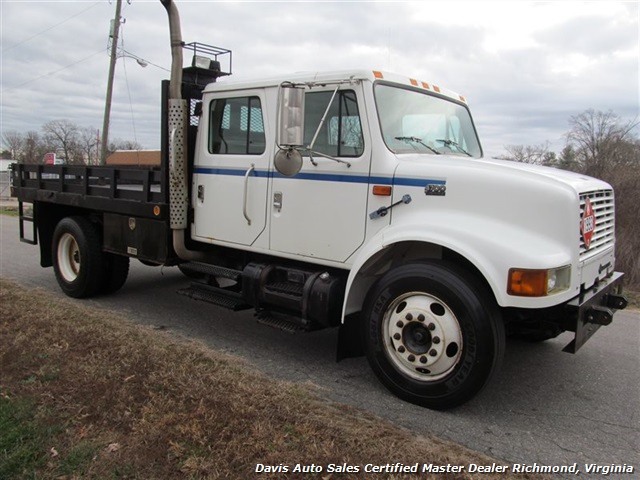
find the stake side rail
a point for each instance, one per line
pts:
(138, 191)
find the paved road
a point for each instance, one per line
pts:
(545, 406)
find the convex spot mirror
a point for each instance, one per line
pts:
(288, 162)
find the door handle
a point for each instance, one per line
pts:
(277, 201)
(246, 192)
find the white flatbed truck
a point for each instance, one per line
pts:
(358, 200)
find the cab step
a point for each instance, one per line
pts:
(281, 321)
(215, 295)
(27, 215)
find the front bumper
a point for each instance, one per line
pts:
(594, 308)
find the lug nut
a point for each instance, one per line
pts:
(421, 318)
(409, 317)
(431, 326)
(397, 336)
(433, 352)
(411, 358)
(436, 340)
(400, 324)
(423, 359)
(401, 349)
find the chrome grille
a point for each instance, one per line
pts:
(604, 233)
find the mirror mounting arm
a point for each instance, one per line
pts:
(315, 164)
(322, 120)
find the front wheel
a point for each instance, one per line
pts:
(432, 334)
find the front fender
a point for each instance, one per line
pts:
(493, 247)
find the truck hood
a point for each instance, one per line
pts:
(418, 165)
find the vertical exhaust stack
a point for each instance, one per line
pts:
(177, 122)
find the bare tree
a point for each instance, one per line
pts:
(63, 134)
(89, 143)
(532, 154)
(34, 147)
(118, 144)
(14, 141)
(601, 140)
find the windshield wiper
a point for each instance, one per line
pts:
(451, 143)
(418, 140)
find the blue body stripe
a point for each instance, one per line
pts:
(325, 177)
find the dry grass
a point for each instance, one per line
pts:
(120, 401)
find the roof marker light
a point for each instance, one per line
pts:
(377, 74)
(425, 85)
(437, 89)
(413, 82)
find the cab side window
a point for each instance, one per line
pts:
(341, 133)
(236, 126)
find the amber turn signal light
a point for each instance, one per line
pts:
(527, 283)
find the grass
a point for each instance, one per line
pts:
(9, 210)
(22, 440)
(87, 394)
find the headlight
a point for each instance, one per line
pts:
(525, 282)
(552, 280)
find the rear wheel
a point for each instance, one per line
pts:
(432, 335)
(77, 257)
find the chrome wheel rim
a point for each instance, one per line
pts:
(422, 336)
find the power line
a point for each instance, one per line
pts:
(136, 57)
(126, 78)
(55, 71)
(48, 29)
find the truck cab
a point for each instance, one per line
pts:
(389, 179)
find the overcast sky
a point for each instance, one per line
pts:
(524, 67)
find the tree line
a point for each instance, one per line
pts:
(77, 145)
(602, 145)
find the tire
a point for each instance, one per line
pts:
(432, 334)
(77, 257)
(116, 272)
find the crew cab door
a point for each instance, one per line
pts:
(230, 178)
(321, 211)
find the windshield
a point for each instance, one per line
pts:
(413, 121)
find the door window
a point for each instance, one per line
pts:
(236, 126)
(341, 133)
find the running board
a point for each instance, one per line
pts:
(215, 295)
(283, 322)
(213, 270)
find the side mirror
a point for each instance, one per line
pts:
(291, 124)
(288, 160)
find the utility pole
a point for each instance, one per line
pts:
(112, 68)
